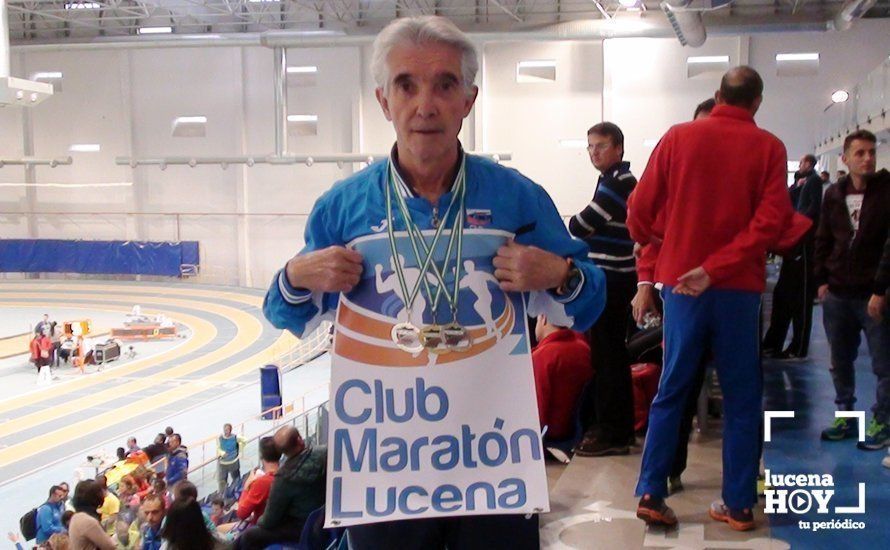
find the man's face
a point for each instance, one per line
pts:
(227, 430)
(131, 443)
(860, 157)
(65, 491)
(174, 443)
(58, 496)
(805, 165)
(426, 100)
(825, 177)
(154, 512)
(603, 153)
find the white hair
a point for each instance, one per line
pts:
(423, 29)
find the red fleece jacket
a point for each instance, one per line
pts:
(721, 184)
(562, 366)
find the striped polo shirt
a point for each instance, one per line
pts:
(603, 223)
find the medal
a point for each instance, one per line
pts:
(433, 339)
(456, 337)
(407, 337)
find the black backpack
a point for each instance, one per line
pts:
(28, 525)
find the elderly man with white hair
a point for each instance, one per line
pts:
(424, 69)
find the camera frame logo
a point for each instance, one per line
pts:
(805, 492)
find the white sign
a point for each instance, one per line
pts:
(425, 435)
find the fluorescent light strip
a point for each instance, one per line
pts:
(797, 57)
(155, 30)
(708, 59)
(46, 75)
(536, 64)
(69, 185)
(85, 148)
(302, 118)
(302, 70)
(190, 120)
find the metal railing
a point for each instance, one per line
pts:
(312, 424)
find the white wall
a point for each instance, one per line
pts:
(646, 89)
(530, 119)
(126, 101)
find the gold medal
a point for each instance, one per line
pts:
(433, 339)
(407, 337)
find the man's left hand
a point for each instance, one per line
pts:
(522, 268)
(693, 283)
(876, 305)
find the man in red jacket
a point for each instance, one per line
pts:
(255, 491)
(719, 184)
(562, 367)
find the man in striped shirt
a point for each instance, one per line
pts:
(608, 411)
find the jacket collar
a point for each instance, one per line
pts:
(881, 177)
(731, 111)
(560, 335)
(618, 168)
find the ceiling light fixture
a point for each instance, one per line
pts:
(155, 30)
(840, 96)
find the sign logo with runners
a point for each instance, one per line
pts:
(805, 493)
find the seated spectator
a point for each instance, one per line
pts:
(217, 510)
(297, 490)
(66, 518)
(132, 447)
(561, 363)
(111, 505)
(178, 462)
(255, 491)
(49, 514)
(185, 490)
(123, 537)
(159, 488)
(85, 532)
(153, 509)
(184, 528)
(121, 454)
(157, 451)
(59, 541)
(126, 493)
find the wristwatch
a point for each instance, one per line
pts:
(573, 279)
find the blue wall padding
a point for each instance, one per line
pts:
(108, 257)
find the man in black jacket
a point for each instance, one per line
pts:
(298, 489)
(850, 247)
(795, 289)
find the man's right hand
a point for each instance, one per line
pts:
(822, 292)
(643, 302)
(332, 269)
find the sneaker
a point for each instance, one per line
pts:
(877, 436)
(675, 485)
(591, 446)
(738, 520)
(842, 428)
(654, 511)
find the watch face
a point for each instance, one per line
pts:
(574, 279)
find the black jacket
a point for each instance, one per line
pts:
(846, 260)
